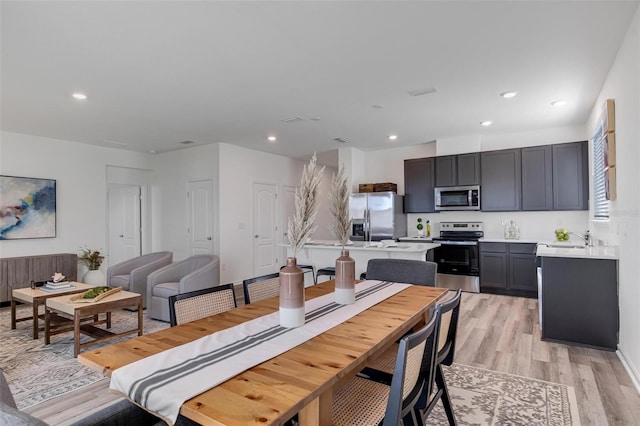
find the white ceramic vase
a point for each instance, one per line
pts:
(94, 277)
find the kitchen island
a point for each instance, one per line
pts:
(579, 295)
(322, 254)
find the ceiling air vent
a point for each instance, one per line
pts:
(341, 140)
(292, 119)
(420, 92)
(187, 142)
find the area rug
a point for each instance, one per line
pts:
(486, 397)
(37, 372)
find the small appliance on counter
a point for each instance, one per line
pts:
(458, 255)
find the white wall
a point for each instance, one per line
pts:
(81, 188)
(239, 169)
(387, 165)
(623, 85)
(173, 171)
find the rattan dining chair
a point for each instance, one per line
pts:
(382, 367)
(366, 402)
(262, 287)
(194, 305)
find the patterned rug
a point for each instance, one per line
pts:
(486, 397)
(37, 372)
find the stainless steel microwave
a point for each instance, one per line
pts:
(457, 198)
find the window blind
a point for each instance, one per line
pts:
(600, 202)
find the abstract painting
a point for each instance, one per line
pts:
(27, 208)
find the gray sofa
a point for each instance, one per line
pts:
(132, 274)
(193, 273)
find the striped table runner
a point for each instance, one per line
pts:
(161, 383)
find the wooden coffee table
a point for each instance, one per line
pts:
(77, 311)
(37, 297)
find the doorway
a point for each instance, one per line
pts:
(200, 214)
(265, 229)
(125, 233)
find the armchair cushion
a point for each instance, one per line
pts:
(165, 290)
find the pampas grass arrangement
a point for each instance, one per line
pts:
(301, 225)
(339, 207)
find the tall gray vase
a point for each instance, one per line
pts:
(291, 295)
(345, 279)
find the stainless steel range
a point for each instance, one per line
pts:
(458, 257)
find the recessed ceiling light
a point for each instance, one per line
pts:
(486, 123)
(508, 95)
(272, 138)
(393, 137)
(79, 96)
(558, 103)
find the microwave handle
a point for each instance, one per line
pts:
(470, 198)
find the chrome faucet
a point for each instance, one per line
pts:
(588, 242)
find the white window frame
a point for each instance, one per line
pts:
(601, 206)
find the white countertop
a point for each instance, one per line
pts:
(507, 240)
(576, 252)
(416, 239)
(373, 246)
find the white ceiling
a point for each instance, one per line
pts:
(158, 73)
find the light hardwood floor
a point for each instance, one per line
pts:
(495, 332)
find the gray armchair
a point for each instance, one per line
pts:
(193, 273)
(132, 274)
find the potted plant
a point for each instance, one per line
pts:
(93, 260)
(300, 229)
(340, 227)
(420, 227)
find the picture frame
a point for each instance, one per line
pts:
(27, 208)
(610, 183)
(608, 116)
(609, 146)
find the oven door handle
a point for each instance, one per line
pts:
(457, 243)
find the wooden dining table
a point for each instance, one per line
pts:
(300, 380)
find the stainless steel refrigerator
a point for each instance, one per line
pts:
(377, 216)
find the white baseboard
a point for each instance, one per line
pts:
(633, 373)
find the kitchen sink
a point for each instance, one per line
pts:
(565, 245)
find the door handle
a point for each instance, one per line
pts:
(209, 238)
(121, 235)
(256, 236)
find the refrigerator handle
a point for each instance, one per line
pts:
(368, 220)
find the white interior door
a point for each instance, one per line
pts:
(265, 229)
(200, 214)
(124, 223)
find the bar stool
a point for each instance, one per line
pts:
(305, 269)
(328, 270)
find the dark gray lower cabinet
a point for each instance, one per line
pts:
(508, 268)
(580, 301)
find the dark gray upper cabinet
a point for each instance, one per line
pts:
(537, 182)
(419, 178)
(446, 171)
(463, 169)
(469, 169)
(570, 176)
(501, 180)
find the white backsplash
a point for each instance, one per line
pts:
(538, 226)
